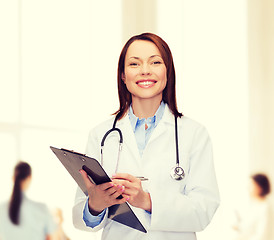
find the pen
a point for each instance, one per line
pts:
(142, 178)
(139, 177)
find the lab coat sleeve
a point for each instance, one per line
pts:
(192, 208)
(77, 213)
(91, 220)
(81, 198)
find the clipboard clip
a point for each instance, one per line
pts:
(71, 151)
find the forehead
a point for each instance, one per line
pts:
(142, 49)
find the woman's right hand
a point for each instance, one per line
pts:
(103, 195)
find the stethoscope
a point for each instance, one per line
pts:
(177, 172)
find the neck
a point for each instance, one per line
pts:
(259, 198)
(143, 108)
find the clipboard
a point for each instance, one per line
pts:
(74, 161)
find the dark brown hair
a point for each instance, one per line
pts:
(21, 172)
(262, 181)
(169, 93)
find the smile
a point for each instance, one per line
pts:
(146, 83)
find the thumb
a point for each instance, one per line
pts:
(86, 179)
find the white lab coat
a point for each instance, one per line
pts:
(256, 222)
(179, 208)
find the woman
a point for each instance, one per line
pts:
(22, 218)
(256, 223)
(168, 209)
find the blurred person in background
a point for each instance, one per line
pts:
(60, 234)
(22, 218)
(255, 223)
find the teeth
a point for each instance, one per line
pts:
(145, 83)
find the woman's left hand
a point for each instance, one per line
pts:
(134, 192)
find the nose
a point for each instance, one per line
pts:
(145, 69)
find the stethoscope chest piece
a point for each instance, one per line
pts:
(177, 173)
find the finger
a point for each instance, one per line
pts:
(111, 190)
(118, 192)
(105, 186)
(120, 201)
(124, 176)
(86, 179)
(128, 192)
(125, 183)
(126, 197)
(119, 181)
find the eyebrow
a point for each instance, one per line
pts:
(149, 57)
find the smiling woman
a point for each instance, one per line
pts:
(152, 127)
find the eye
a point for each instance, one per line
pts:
(156, 62)
(133, 64)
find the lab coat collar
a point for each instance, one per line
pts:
(168, 117)
(129, 137)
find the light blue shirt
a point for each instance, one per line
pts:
(36, 222)
(142, 136)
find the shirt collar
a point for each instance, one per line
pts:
(158, 115)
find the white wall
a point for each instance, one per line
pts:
(58, 66)
(210, 53)
(261, 87)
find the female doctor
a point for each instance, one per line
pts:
(173, 203)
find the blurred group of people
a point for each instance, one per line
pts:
(23, 218)
(255, 220)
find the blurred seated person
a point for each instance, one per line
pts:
(255, 224)
(60, 234)
(20, 217)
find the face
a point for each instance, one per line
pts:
(255, 189)
(145, 71)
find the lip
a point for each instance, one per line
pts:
(146, 83)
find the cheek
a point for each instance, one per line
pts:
(163, 76)
(130, 75)
(129, 80)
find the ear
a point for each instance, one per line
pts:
(123, 78)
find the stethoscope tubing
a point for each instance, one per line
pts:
(177, 173)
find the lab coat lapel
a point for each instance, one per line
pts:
(162, 127)
(129, 137)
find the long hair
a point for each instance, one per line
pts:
(262, 181)
(21, 172)
(169, 93)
